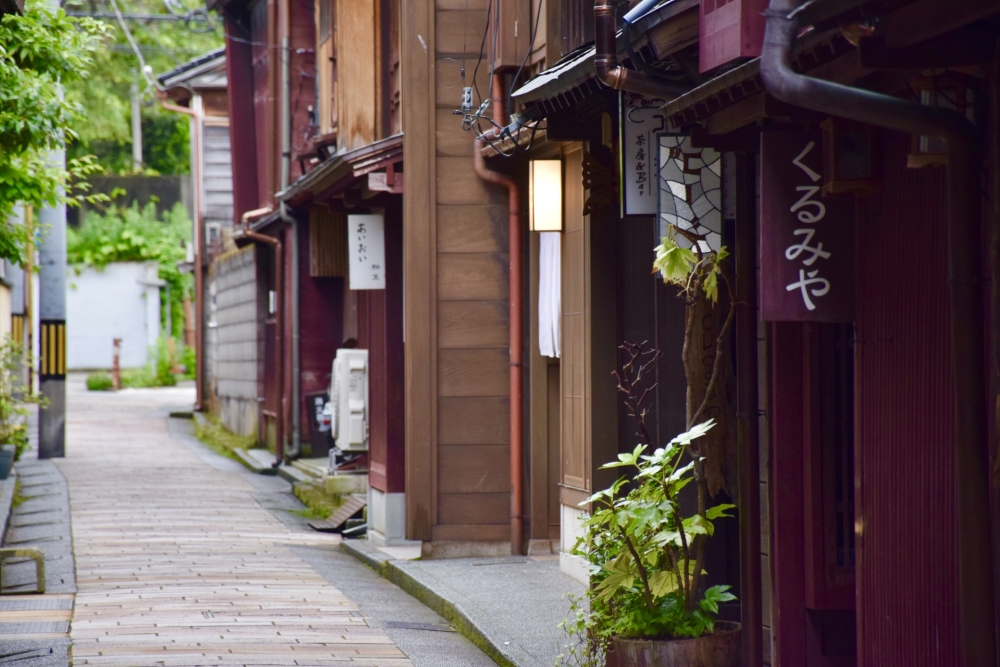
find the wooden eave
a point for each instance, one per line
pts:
(337, 173)
(743, 85)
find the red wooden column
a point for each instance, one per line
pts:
(787, 493)
(380, 330)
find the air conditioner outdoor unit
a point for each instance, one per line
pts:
(349, 400)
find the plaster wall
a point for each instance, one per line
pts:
(120, 301)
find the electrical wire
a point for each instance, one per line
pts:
(146, 70)
(152, 34)
(531, 45)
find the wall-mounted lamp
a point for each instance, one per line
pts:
(545, 196)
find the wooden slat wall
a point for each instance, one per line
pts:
(326, 70)
(455, 317)
(357, 72)
(575, 362)
(327, 243)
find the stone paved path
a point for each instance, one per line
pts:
(178, 565)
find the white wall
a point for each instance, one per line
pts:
(120, 301)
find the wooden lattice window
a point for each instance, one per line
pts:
(327, 243)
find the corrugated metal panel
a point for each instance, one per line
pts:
(907, 569)
(217, 182)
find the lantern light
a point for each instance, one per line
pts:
(545, 196)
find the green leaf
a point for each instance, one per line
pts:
(719, 511)
(663, 583)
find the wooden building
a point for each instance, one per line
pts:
(843, 453)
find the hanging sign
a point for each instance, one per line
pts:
(366, 251)
(806, 240)
(642, 119)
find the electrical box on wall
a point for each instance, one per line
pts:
(729, 30)
(513, 33)
(349, 400)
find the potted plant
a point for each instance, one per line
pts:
(13, 405)
(647, 603)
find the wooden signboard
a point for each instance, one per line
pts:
(642, 120)
(806, 240)
(366, 251)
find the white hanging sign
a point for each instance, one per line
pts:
(366, 251)
(642, 119)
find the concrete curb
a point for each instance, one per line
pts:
(451, 612)
(6, 501)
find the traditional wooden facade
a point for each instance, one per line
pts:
(841, 457)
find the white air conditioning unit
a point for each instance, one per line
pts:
(349, 400)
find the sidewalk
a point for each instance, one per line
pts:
(183, 558)
(509, 607)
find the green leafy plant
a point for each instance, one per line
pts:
(139, 378)
(105, 94)
(99, 381)
(644, 553)
(40, 52)
(166, 362)
(131, 234)
(14, 399)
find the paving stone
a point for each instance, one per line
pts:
(179, 563)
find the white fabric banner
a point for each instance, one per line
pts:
(549, 288)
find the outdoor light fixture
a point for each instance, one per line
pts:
(545, 195)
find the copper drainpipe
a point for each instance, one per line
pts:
(516, 336)
(195, 114)
(968, 345)
(279, 304)
(618, 76)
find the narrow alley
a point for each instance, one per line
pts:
(180, 562)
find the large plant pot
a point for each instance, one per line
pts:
(719, 649)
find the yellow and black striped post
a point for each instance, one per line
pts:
(17, 329)
(52, 357)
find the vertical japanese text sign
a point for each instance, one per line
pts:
(642, 120)
(366, 251)
(806, 240)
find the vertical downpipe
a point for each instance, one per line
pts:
(977, 620)
(516, 333)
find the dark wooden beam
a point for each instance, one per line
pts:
(927, 19)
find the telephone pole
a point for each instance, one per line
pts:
(52, 319)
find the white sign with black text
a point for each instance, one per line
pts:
(366, 251)
(642, 119)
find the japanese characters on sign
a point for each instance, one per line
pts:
(366, 251)
(641, 121)
(807, 241)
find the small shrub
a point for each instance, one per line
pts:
(189, 362)
(166, 361)
(139, 378)
(99, 381)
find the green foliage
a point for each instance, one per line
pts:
(39, 53)
(14, 400)
(642, 556)
(139, 378)
(99, 381)
(136, 235)
(189, 361)
(213, 433)
(106, 94)
(687, 266)
(166, 361)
